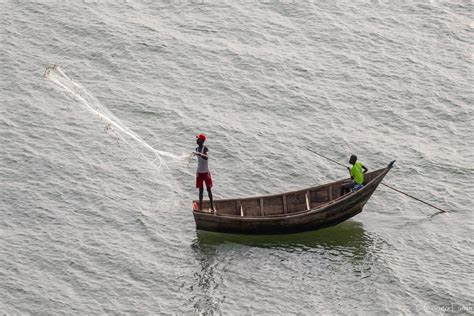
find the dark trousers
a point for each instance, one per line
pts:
(347, 186)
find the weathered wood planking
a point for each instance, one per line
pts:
(295, 211)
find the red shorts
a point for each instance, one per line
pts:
(203, 177)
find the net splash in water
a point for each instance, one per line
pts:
(65, 83)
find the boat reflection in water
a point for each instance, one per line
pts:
(347, 247)
(349, 235)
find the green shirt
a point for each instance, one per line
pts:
(357, 173)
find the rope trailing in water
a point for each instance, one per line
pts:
(388, 186)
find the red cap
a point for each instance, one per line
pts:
(201, 137)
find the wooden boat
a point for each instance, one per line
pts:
(297, 211)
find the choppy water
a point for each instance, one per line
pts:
(95, 212)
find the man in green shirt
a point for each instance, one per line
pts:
(356, 172)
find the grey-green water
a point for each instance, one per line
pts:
(95, 211)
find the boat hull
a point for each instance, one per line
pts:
(330, 214)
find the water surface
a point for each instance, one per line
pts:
(96, 216)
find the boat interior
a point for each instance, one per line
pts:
(284, 203)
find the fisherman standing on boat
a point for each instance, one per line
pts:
(357, 176)
(203, 174)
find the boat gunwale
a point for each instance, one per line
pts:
(311, 211)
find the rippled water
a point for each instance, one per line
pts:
(96, 185)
